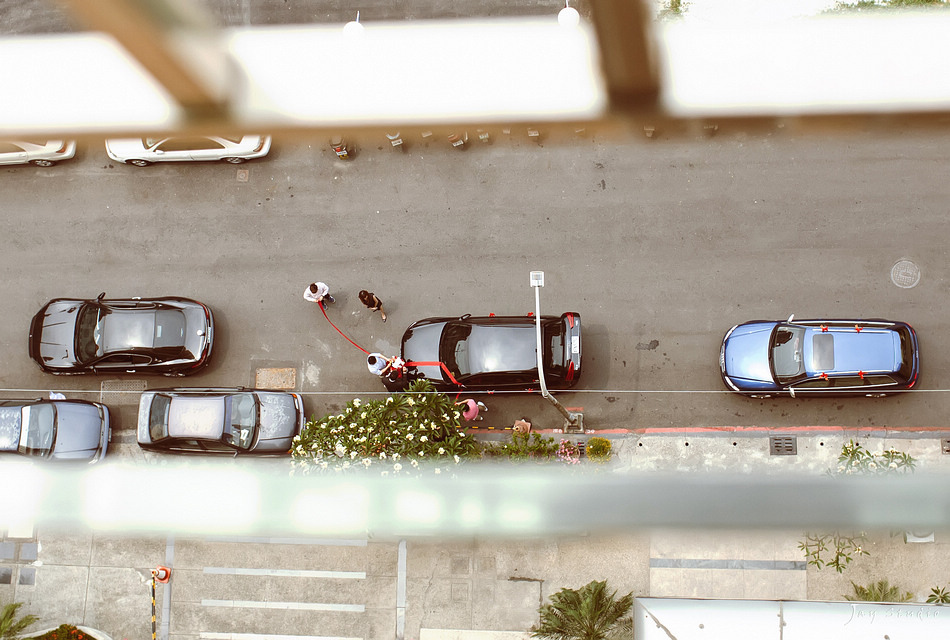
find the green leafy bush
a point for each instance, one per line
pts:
(12, 627)
(880, 591)
(598, 449)
(522, 447)
(64, 632)
(395, 435)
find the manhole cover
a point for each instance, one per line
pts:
(905, 274)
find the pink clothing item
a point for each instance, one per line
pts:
(471, 410)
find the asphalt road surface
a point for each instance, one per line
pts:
(660, 244)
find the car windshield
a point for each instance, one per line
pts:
(454, 348)
(785, 352)
(89, 332)
(38, 429)
(158, 417)
(244, 418)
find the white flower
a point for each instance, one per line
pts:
(457, 459)
(353, 455)
(409, 436)
(397, 467)
(441, 451)
(438, 470)
(892, 465)
(356, 402)
(367, 462)
(363, 415)
(395, 456)
(389, 399)
(414, 463)
(423, 439)
(411, 401)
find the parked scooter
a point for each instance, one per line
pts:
(339, 147)
(458, 141)
(395, 139)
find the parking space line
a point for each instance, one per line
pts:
(292, 573)
(307, 606)
(326, 542)
(209, 635)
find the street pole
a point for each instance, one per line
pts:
(573, 422)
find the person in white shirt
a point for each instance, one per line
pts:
(378, 364)
(318, 292)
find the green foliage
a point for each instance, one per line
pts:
(588, 613)
(672, 9)
(12, 627)
(841, 548)
(522, 447)
(856, 459)
(64, 632)
(395, 435)
(880, 591)
(837, 550)
(598, 449)
(939, 595)
(877, 5)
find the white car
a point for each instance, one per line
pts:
(42, 153)
(144, 151)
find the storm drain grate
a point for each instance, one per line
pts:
(121, 391)
(945, 445)
(783, 446)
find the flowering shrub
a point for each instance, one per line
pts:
(393, 435)
(522, 447)
(856, 459)
(568, 452)
(64, 632)
(598, 449)
(835, 549)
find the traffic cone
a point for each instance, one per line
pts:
(162, 574)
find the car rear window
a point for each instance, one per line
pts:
(907, 353)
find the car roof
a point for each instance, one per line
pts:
(198, 417)
(841, 348)
(502, 348)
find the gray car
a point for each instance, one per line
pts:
(59, 430)
(231, 421)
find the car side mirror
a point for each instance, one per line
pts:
(791, 391)
(790, 318)
(100, 296)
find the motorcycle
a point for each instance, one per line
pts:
(395, 139)
(339, 147)
(458, 141)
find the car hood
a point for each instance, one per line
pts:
(746, 352)
(56, 339)
(125, 146)
(421, 344)
(78, 432)
(279, 420)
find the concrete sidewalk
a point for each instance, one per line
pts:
(488, 584)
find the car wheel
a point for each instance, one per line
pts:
(42, 163)
(138, 163)
(233, 160)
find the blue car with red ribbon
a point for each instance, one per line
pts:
(820, 357)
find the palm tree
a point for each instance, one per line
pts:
(880, 591)
(589, 613)
(10, 627)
